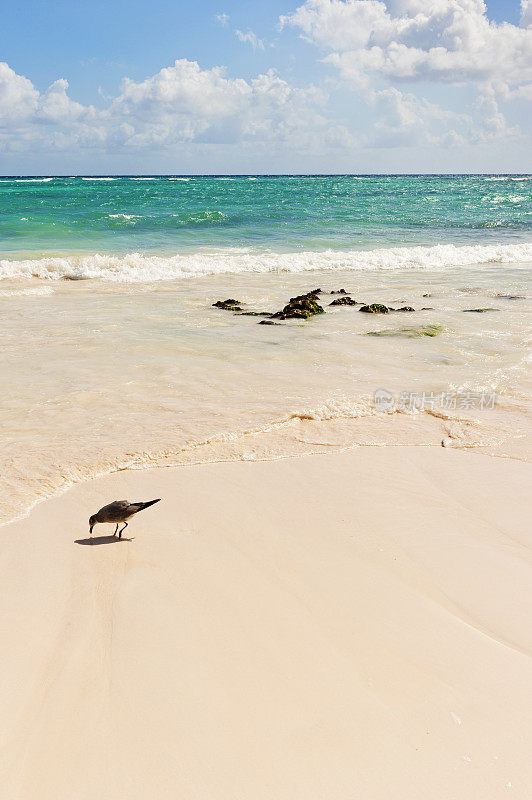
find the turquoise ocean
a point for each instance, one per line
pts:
(113, 355)
(256, 215)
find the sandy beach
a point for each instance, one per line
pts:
(266, 301)
(334, 626)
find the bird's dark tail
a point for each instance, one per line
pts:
(142, 506)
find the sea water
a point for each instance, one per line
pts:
(113, 355)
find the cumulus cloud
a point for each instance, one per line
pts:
(180, 104)
(18, 97)
(410, 40)
(222, 18)
(526, 13)
(251, 38)
(377, 43)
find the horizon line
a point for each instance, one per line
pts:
(263, 175)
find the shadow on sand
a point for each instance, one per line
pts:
(103, 540)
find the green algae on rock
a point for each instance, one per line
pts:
(228, 305)
(303, 306)
(344, 301)
(253, 313)
(375, 308)
(410, 333)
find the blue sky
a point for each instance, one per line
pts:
(315, 86)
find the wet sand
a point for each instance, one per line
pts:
(353, 624)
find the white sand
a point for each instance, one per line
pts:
(345, 626)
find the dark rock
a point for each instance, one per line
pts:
(311, 295)
(511, 296)
(478, 310)
(344, 301)
(404, 308)
(427, 295)
(427, 308)
(253, 313)
(267, 322)
(338, 291)
(228, 305)
(375, 308)
(301, 307)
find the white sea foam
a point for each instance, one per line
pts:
(26, 180)
(178, 179)
(99, 179)
(39, 291)
(124, 216)
(138, 268)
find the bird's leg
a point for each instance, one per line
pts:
(121, 529)
(114, 534)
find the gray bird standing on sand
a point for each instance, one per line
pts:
(118, 511)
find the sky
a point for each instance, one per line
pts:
(218, 86)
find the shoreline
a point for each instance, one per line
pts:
(298, 435)
(265, 612)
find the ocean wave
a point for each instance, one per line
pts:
(178, 179)
(99, 179)
(140, 268)
(26, 180)
(124, 216)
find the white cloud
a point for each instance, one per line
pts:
(18, 97)
(251, 38)
(449, 41)
(526, 13)
(222, 18)
(375, 44)
(180, 104)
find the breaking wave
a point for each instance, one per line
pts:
(26, 180)
(141, 268)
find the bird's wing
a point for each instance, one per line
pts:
(116, 505)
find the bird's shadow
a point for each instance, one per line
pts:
(103, 540)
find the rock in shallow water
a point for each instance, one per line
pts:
(253, 313)
(303, 306)
(344, 301)
(375, 308)
(228, 305)
(478, 310)
(409, 333)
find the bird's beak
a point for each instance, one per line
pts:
(90, 529)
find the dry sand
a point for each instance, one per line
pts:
(354, 625)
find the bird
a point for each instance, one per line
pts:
(118, 511)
